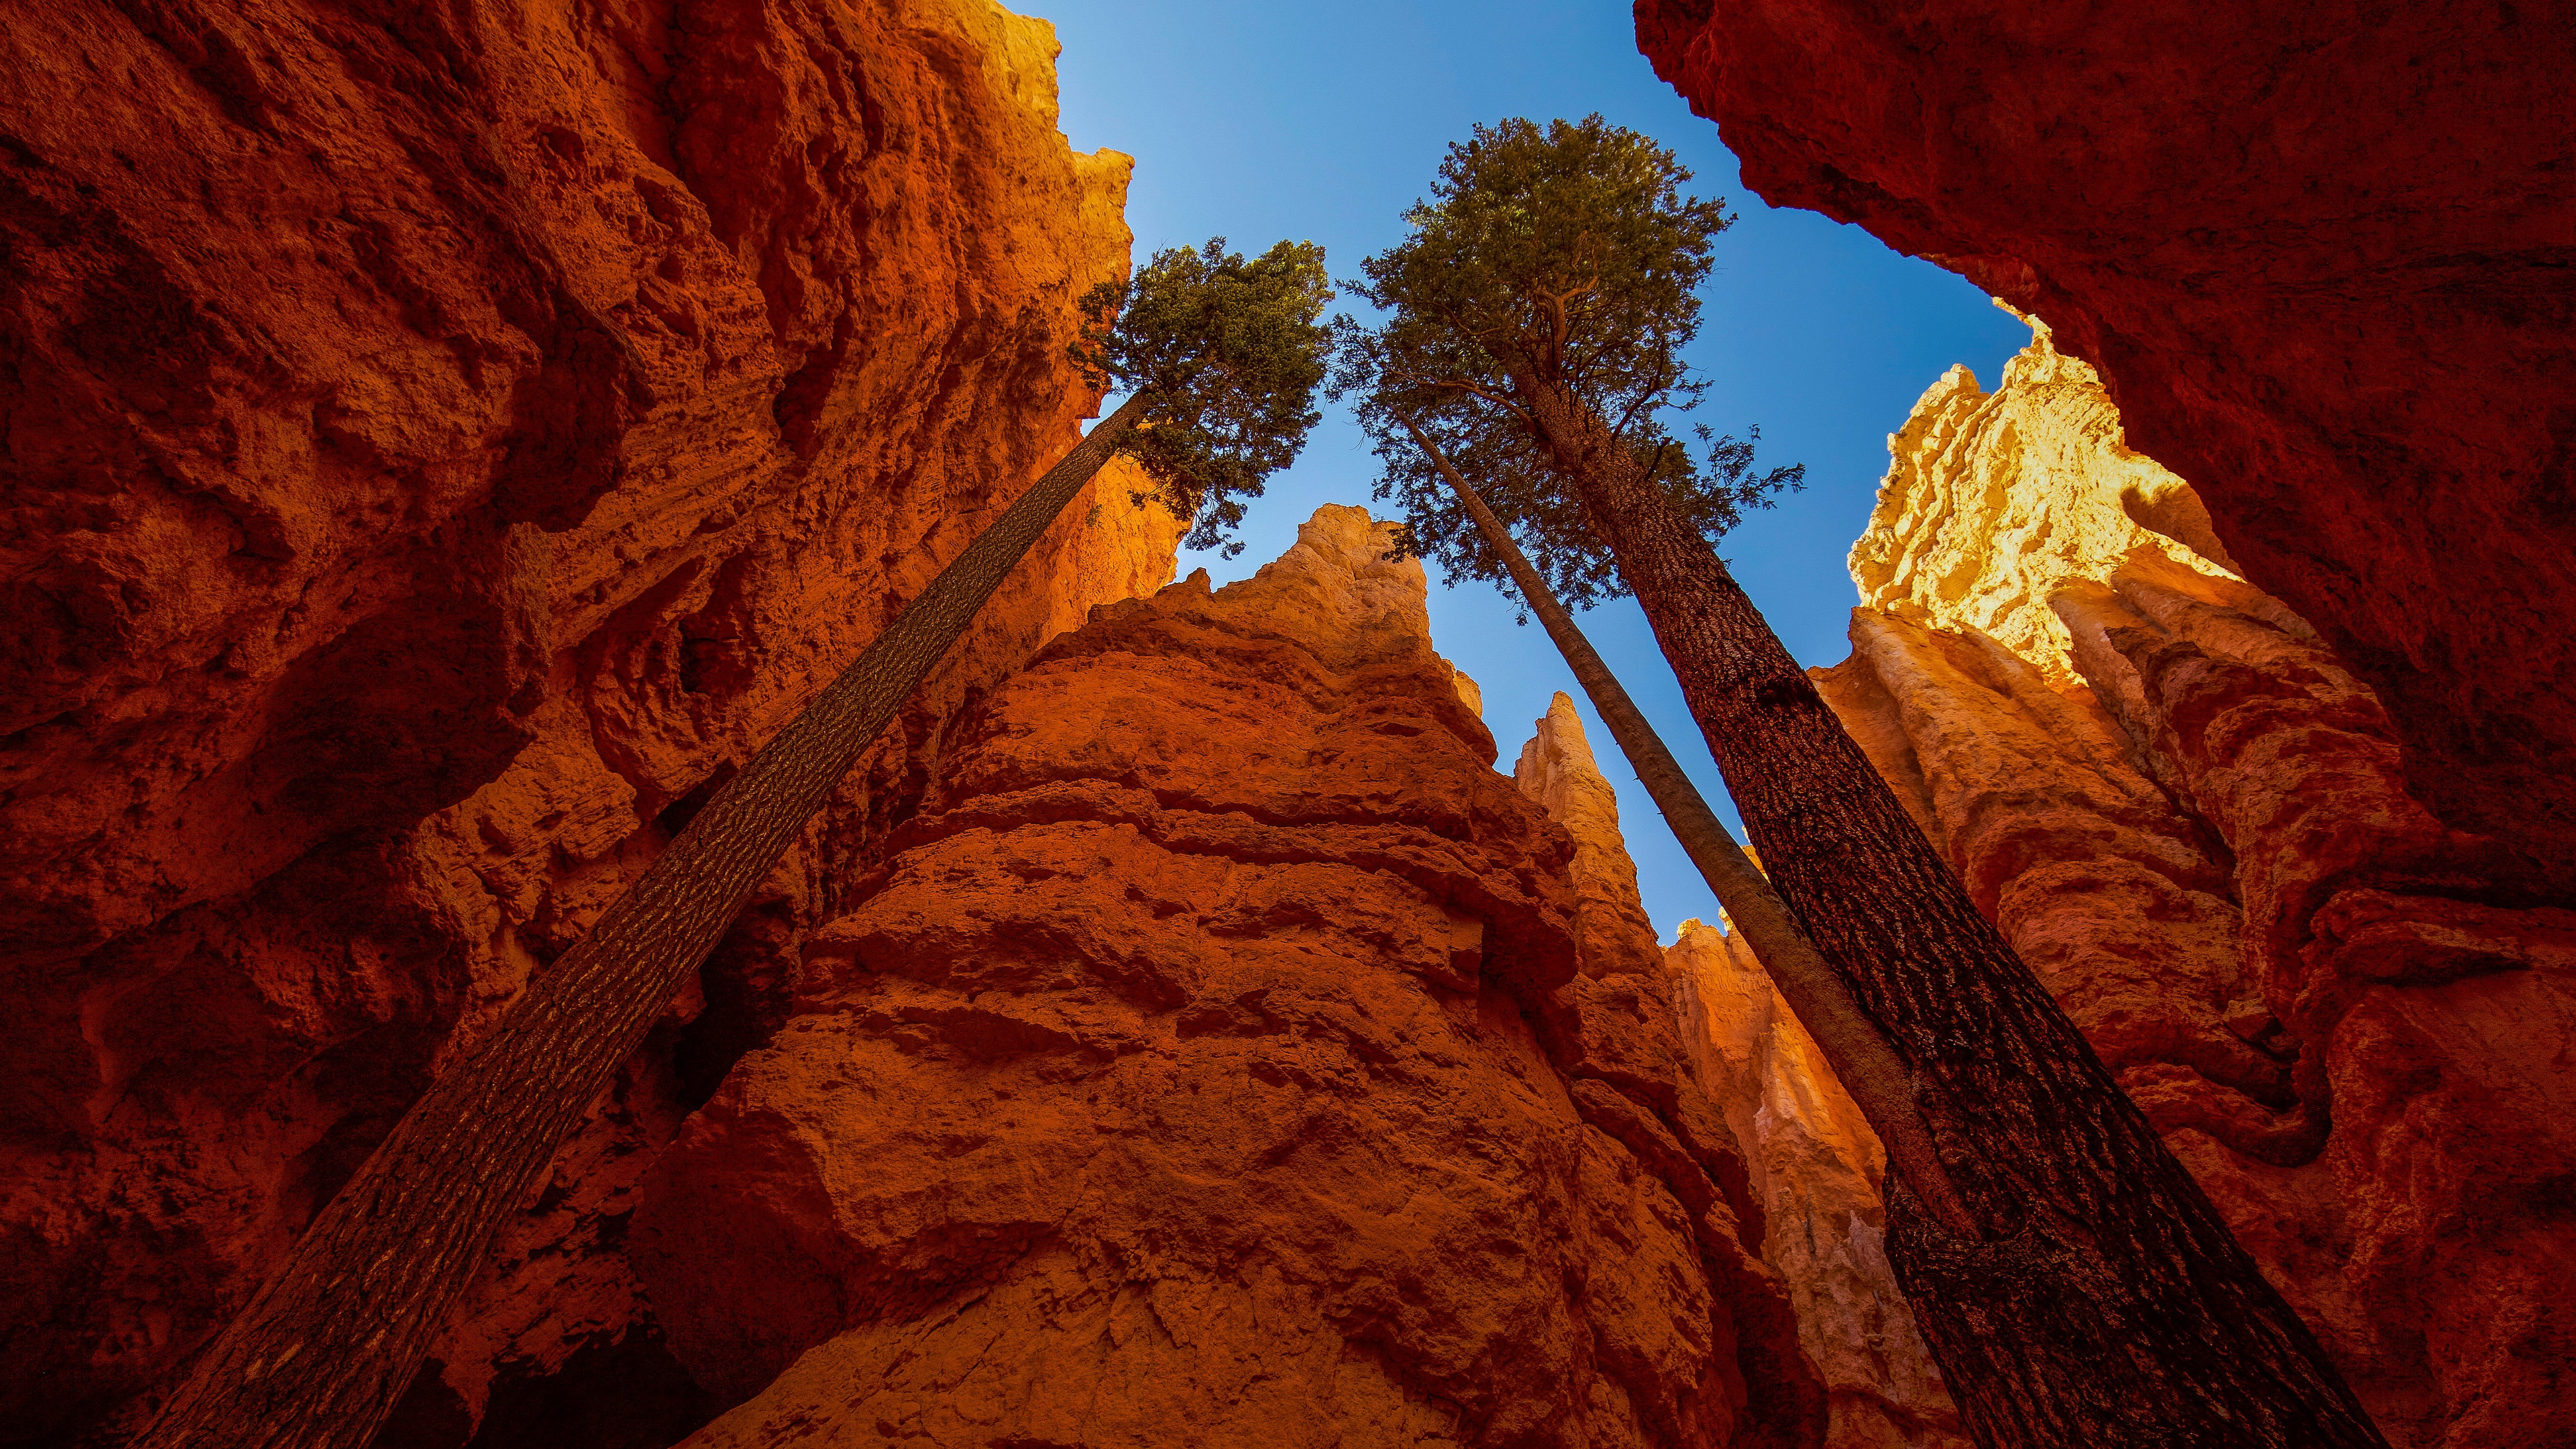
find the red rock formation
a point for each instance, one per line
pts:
(1813, 1164)
(1557, 770)
(2321, 255)
(2190, 817)
(441, 441)
(1817, 1169)
(1218, 1064)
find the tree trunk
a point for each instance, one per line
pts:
(2104, 1303)
(1862, 1061)
(337, 1331)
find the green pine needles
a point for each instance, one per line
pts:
(1554, 267)
(1227, 353)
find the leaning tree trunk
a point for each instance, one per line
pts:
(2104, 1303)
(1860, 1057)
(337, 1331)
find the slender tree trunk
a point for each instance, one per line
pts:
(2104, 1303)
(337, 1331)
(1860, 1057)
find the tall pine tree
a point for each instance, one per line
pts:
(1853, 1045)
(1533, 325)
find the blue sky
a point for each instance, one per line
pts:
(1323, 120)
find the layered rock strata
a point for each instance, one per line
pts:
(444, 441)
(2321, 256)
(1224, 1057)
(2195, 822)
(1813, 1165)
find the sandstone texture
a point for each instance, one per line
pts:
(2194, 821)
(1811, 1161)
(443, 441)
(2321, 255)
(1225, 1055)
(1968, 540)
(1817, 1169)
(1557, 770)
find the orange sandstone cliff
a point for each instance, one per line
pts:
(2193, 820)
(442, 442)
(2321, 256)
(1227, 1056)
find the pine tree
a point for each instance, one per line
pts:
(1534, 322)
(1222, 357)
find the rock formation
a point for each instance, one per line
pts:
(1817, 1169)
(1226, 1055)
(2192, 819)
(442, 442)
(1557, 770)
(2320, 254)
(1813, 1164)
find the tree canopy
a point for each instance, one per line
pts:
(1567, 259)
(1228, 353)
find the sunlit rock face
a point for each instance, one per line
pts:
(2319, 253)
(2195, 822)
(1969, 540)
(1218, 1060)
(444, 442)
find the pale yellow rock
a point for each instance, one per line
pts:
(1340, 568)
(1994, 501)
(2181, 809)
(1470, 693)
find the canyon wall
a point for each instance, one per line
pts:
(443, 442)
(2192, 819)
(1226, 1055)
(2322, 257)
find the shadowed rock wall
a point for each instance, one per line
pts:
(2320, 253)
(442, 441)
(2192, 820)
(1221, 1062)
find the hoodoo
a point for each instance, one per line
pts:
(1812, 1163)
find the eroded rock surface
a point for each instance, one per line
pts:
(1220, 1062)
(2320, 254)
(1557, 770)
(443, 442)
(1817, 1169)
(2195, 822)
(1811, 1161)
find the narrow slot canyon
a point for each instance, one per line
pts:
(1250, 1005)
